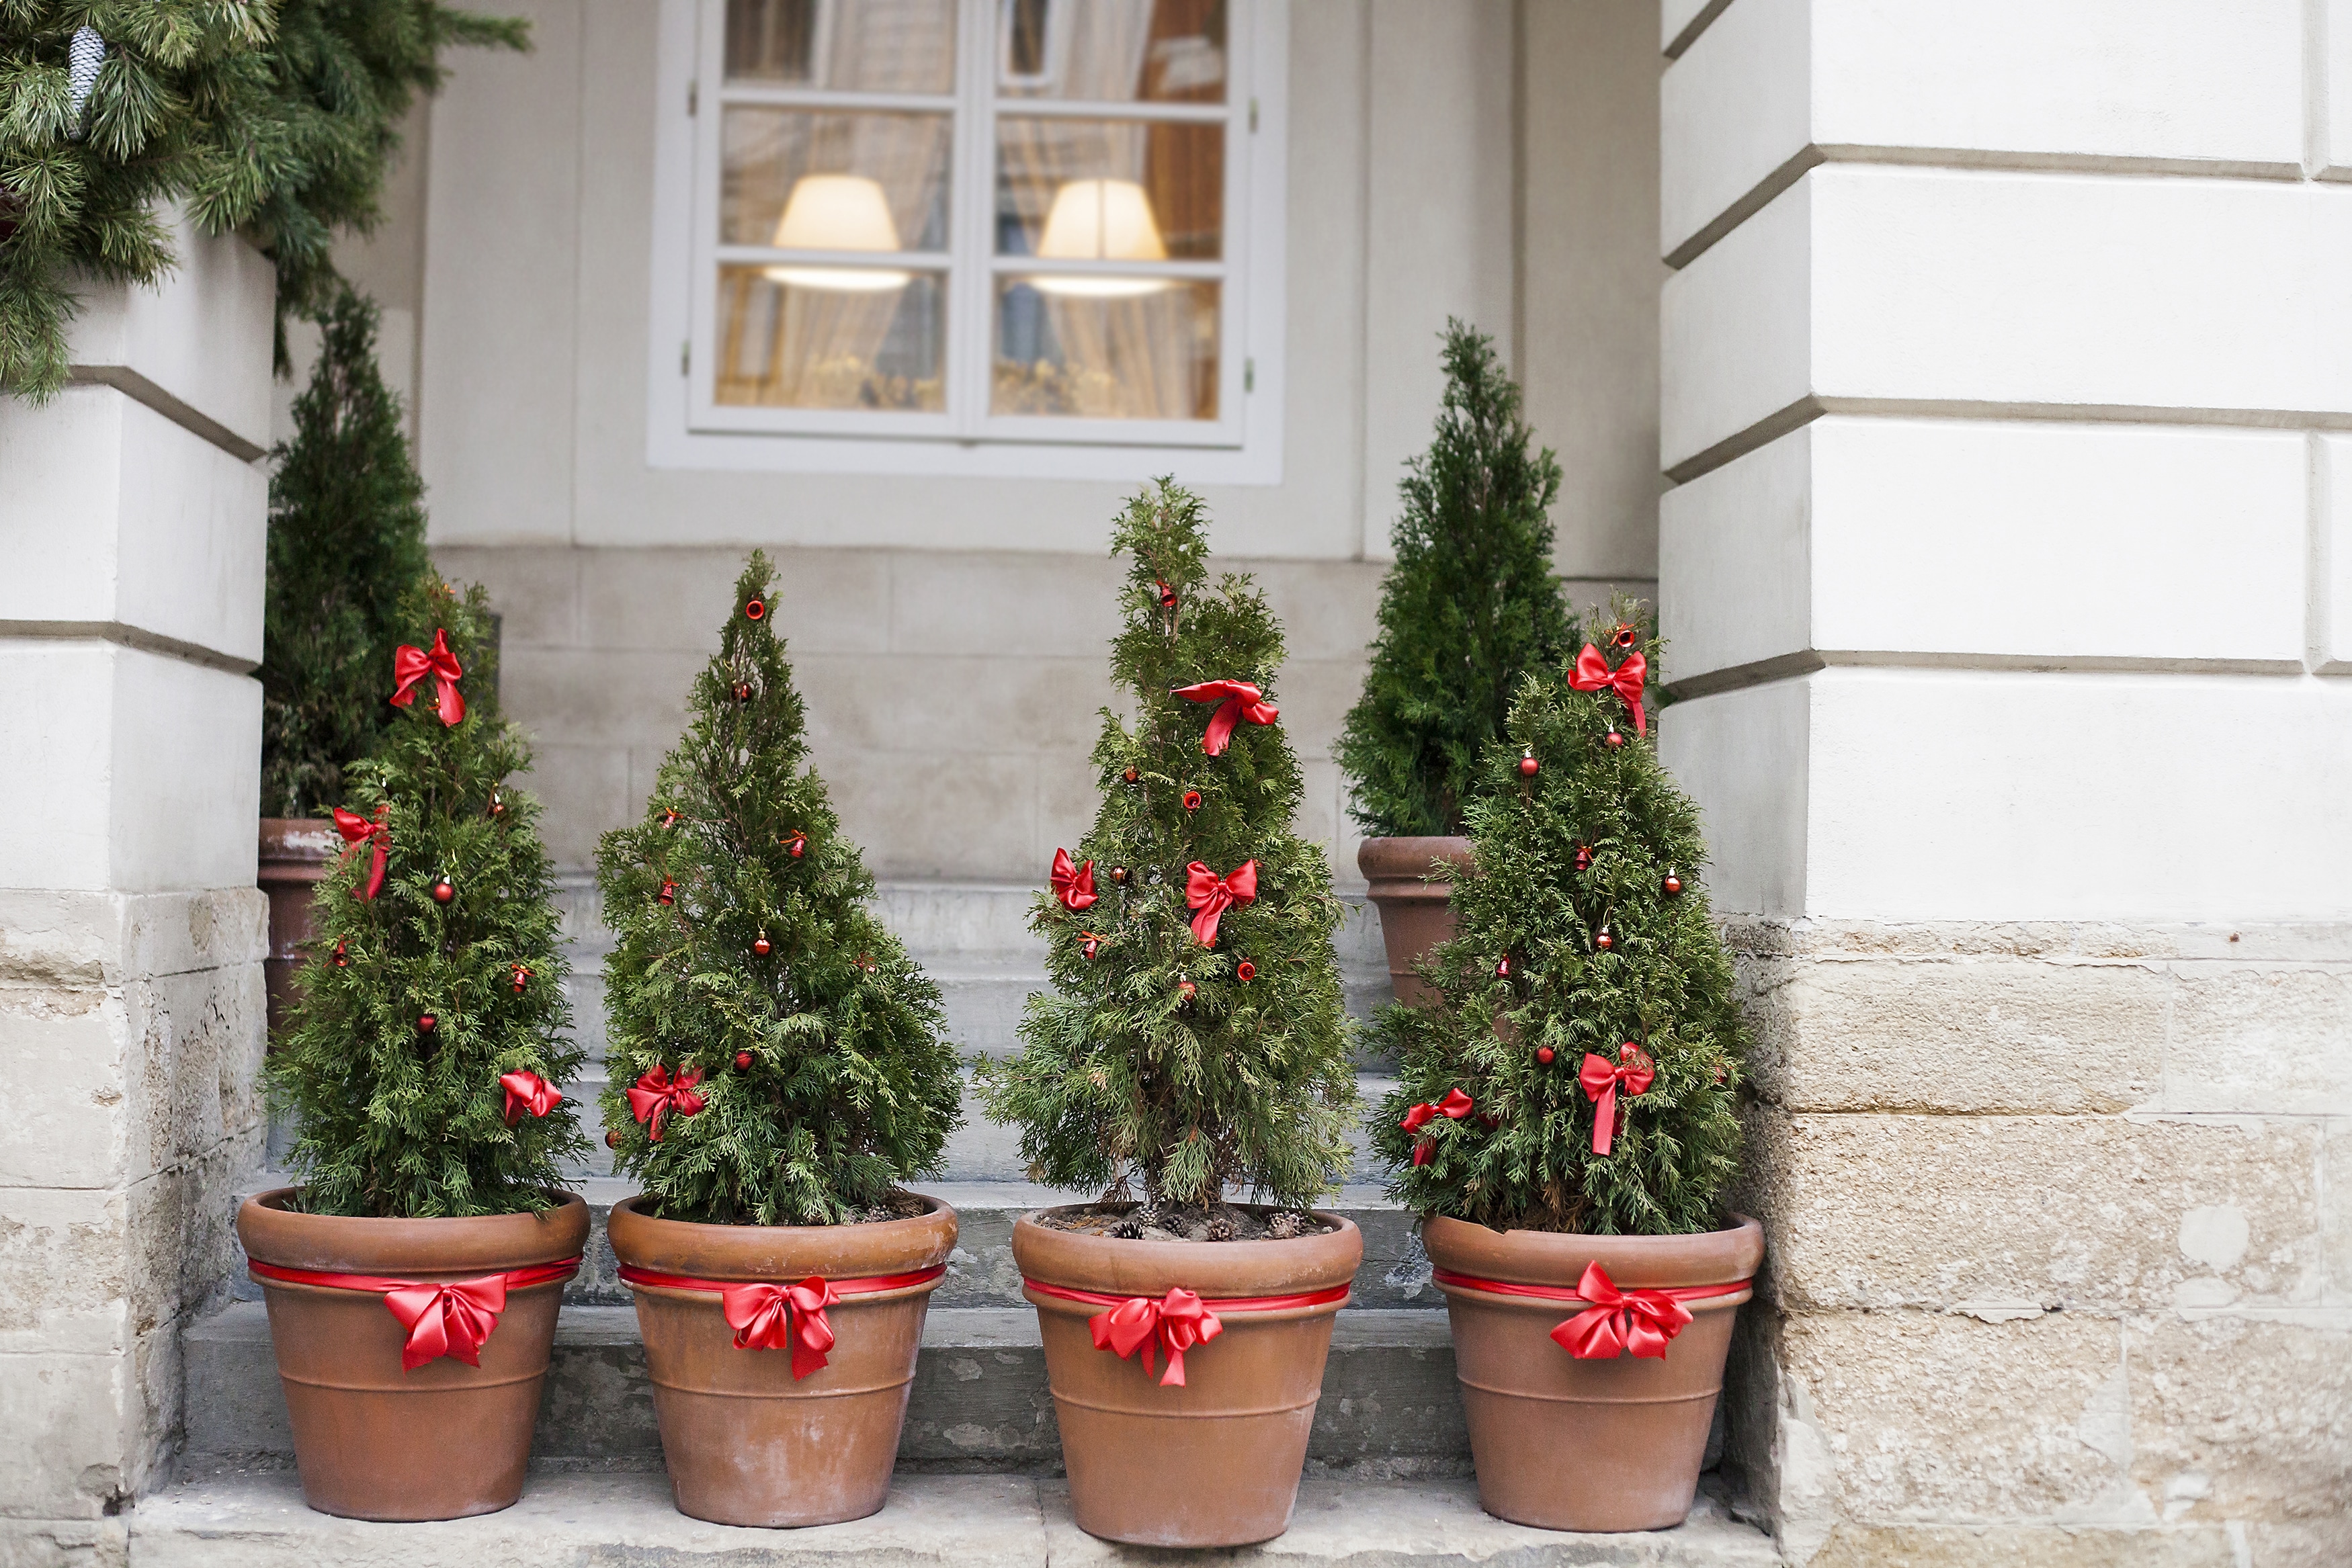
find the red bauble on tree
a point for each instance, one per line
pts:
(444, 890)
(760, 945)
(1603, 940)
(743, 1057)
(1528, 766)
(1245, 971)
(1544, 1054)
(1613, 741)
(426, 1023)
(1672, 884)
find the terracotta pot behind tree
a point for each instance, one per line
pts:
(747, 1441)
(1634, 1428)
(1216, 1461)
(1415, 914)
(295, 853)
(370, 1439)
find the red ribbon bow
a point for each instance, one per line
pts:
(357, 829)
(1169, 1327)
(1643, 1322)
(1456, 1104)
(447, 1320)
(1074, 886)
(784, 1317)
(1236, 700)
(1592, 674)
(527, 1092)
(656, 1094)
(1601, 1079)
(1210, 895)
(411, 665)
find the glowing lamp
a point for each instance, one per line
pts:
(837, 211)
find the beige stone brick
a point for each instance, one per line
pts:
(72, 1043)
(1005, 604)
(2006, 1212)
(67, 1417)
(942, 705)
(2336, 1210)
(1328, 609)
(583, 791)
(65, 1271)
(1851, 1545)
(2305, 1543)
(2269, 1038)
(1316, 694)
(534, 588)
(599, 697)
(2235, 1418)
(918, 816)
(102, 1542)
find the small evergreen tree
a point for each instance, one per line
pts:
(773, 1057)
(1579, 1069)
(1469, 605)
(429, 1028)
(1193, 1039)
(346, 544)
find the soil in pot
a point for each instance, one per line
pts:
(296, 852)
(779, 1407)
(1415, 914)
(1640, 1421)
(374, 1439)
(1209, 1455)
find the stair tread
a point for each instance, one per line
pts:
(257, 1518)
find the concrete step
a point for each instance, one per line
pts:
(979, 1401)
(258, 1520)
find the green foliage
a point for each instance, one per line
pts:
(1247, 1084)
(276, 117)
(1469, 605)
(346, 544)
(1523, 1158)
(396, 1121)
(850, 1086)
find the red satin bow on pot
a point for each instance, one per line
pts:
(447, 1320)
(1169, 1327)
(656, 1094)
(1236, 700)
(1643, 1322)
(1602, 1079)
(1074, 886)
(527, 1092)
(358, 829)
(411, 665)
(784, 1317)
(1209, 896)
(1592, 674)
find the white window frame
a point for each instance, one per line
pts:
(1244, 446)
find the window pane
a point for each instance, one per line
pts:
(805, 181)
(1109, 190)
(1067, 346)
(829, 336)
(848, 46)
(1112, 51)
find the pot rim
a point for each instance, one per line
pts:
(1558, 1259)
(756, 1254)
(421, 1246)
(1388, 858)
(1215, 1270)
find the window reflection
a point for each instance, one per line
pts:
(847, 46)
(1075, 355)
(878, 346)
(1113, 51)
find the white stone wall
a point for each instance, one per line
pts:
(2004, 369)
(131, 520)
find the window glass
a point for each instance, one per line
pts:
(1109, 190)
(1113, 51)
(1069, 346)
(843, 45)
(845, 339)
(798, 180)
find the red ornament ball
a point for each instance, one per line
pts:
(1673, 884)
(755, 611)
(1130, 776)
(742, 1059)
(1544, 1054)
(1528, 765)
(760, 946)
(343, 956)
(1118, 873)
(443, 892)
(1184, 989)
(1613, 740)
(669, 893)
(428, 1023)
(1245, 971)
(613, 1139)
(1192, 799)
(1602, 940)
(742, 691)
(497, 804)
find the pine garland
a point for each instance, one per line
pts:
(273, 116)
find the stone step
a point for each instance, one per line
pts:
(258, 1520)
(979, 1400)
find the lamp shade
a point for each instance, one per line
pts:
(1101, 220)
(837, 211)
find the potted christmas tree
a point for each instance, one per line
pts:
(412, 1277)
(346, 545)
(1469, 605)
(1564, 1117)
(1192, 1044)
(776, 1068)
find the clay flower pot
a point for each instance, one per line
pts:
(1567, 1432)
(296, 852)
(1416, 916)
(375, 1435)
(772, 1414)
(1211, 1455)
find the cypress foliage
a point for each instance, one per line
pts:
(1185, 1066)
(274, 118)
(1469, 605)
(810, 1078)
(1528, 973)
(346, 544)
(398, 1119)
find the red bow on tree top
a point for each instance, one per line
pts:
(1236, 700)
(410, 666)
(1074, 886)
(527, 1092)
(1209, 896)
(357, 829)
(1169, 1327)
(1592, 674)
(1640, 1321)
(656, 1094)
(1602, 1080)
(784, 1317)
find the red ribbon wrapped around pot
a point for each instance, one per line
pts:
(767, 1316)
(1237, 701)
(452, 1319)
(357, 829)
(1592, 674)
(1614, 1321)
(656, 1094)
(410, 666)
(527, 1092)
(1073, 884)
(1209, 896)
(1172, 1324)
(1601, 1079)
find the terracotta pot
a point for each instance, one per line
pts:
(371, 1440)
(1215, 1462)
(295, 853)
(1633, 1430)
(1416, 916)
(747, 1442)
